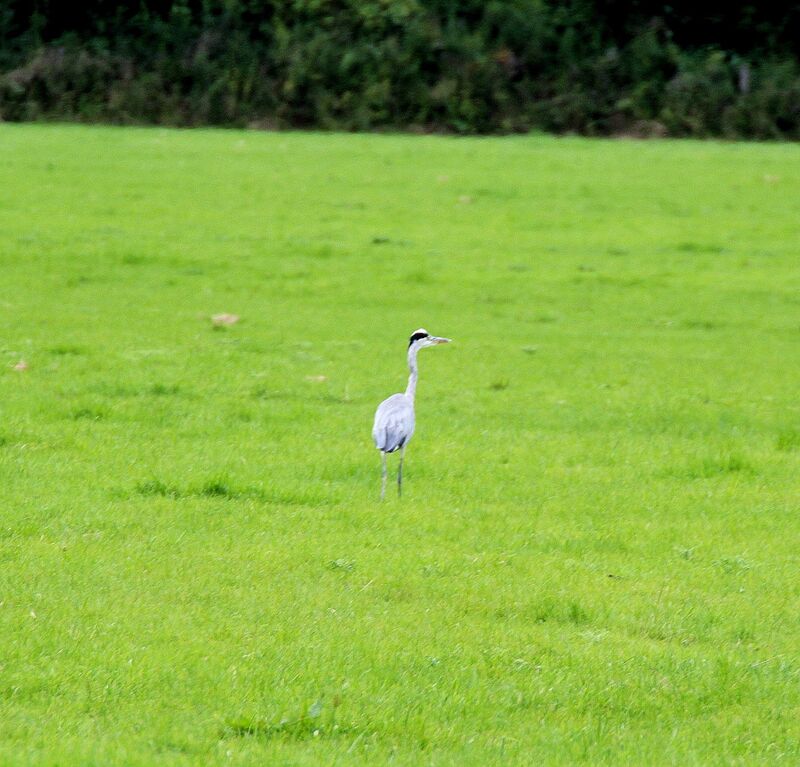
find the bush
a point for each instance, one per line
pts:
(465, 66)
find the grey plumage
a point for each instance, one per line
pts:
(394, 423)
(394, 418)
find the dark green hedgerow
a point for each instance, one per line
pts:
(470, 66)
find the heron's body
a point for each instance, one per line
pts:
(394, 423)
(394, 418)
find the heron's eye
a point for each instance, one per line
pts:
(416, 337)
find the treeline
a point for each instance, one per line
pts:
(467, 66)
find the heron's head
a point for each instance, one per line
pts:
(422, 338)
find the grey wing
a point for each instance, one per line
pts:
(394, 423)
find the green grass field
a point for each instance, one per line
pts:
(596, 556)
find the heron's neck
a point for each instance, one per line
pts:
(411, 389)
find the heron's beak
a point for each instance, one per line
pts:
(438, 340)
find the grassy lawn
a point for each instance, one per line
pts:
(596, 557)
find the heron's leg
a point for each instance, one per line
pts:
(383, 475)
(400, 472)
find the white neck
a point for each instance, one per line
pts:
(411, 389)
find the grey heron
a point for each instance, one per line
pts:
(394, 418)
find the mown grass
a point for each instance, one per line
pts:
(595, 559)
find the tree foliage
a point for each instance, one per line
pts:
(471, 66)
